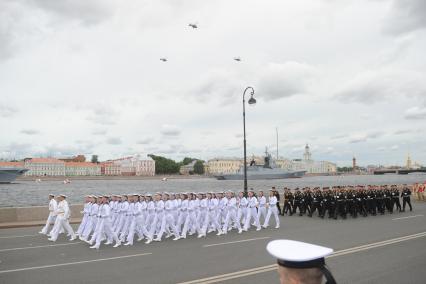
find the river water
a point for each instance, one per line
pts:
(30, 193)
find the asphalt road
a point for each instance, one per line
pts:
(379, 249)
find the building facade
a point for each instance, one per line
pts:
(82, 169)
(130, 166)
(44, 167)
(110, 169)
(224, 166)
(11, 164)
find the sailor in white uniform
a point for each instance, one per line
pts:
(183, 211)
(191, 218)
(63, 214)
(262, 206)
(242, 207)
(51, 218)
(104, 225)
(231, 215)
(158, 219)
(300, 262)
(252, 212)
(272, 209)
(92, 219)
(85, 212)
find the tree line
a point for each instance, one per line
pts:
(165, 166)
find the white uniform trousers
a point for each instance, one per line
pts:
(251, 214)
(125, 229)
(272, 210)
(261, 212)
(62, 222)
(231, 217)
(190, 224)
(50, 221)
(136, 226)
(83, 224)
(105, 229)
(242, 214)
(90, 226)
(181, 220)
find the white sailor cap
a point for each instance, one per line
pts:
(295, 254)
(51, 194)
(63, 195)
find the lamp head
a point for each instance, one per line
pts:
(252, 101)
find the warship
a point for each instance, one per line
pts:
(268, 170)
(9, 174)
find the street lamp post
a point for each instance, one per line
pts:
(251, 101)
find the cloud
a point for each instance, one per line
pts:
(403, 131)
(99, 132)
(375, 86)
(358, 138)
(6, 111)
(16, 150)
(103, 115)
(170, 130)
(281, 80)
(30, 131)
(114, 141)
(23, 22)
(394, 147)
(85, 12)
(145, 141)
(219, 84)
(415, 113)
(405, 16)
(339, 136)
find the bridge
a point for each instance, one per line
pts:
(398, 171)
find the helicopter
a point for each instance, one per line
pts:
(193, 25)
(237, 59)
(163, 59)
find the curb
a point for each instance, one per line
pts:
(27, 224)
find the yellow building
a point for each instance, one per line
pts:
(224, 166)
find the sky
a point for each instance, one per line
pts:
(85, 77)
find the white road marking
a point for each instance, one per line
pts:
(72, 263)
(34, 247)
(234, 242)
(267, 268)
(23, 236)
(414, 216)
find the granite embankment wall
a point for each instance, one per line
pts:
(33, 213)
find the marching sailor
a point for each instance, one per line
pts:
(51, 218)
(62, 220)
(272, 209)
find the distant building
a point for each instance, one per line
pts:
(11, 164)
(44, 167)
(110, 169)
(307, 156)
(409, 163)
(233, 165)
(354, 164)
(130, 166)
(187, 169)
(82, 169)
(224, 166)
(308, 164)
(78, 159)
